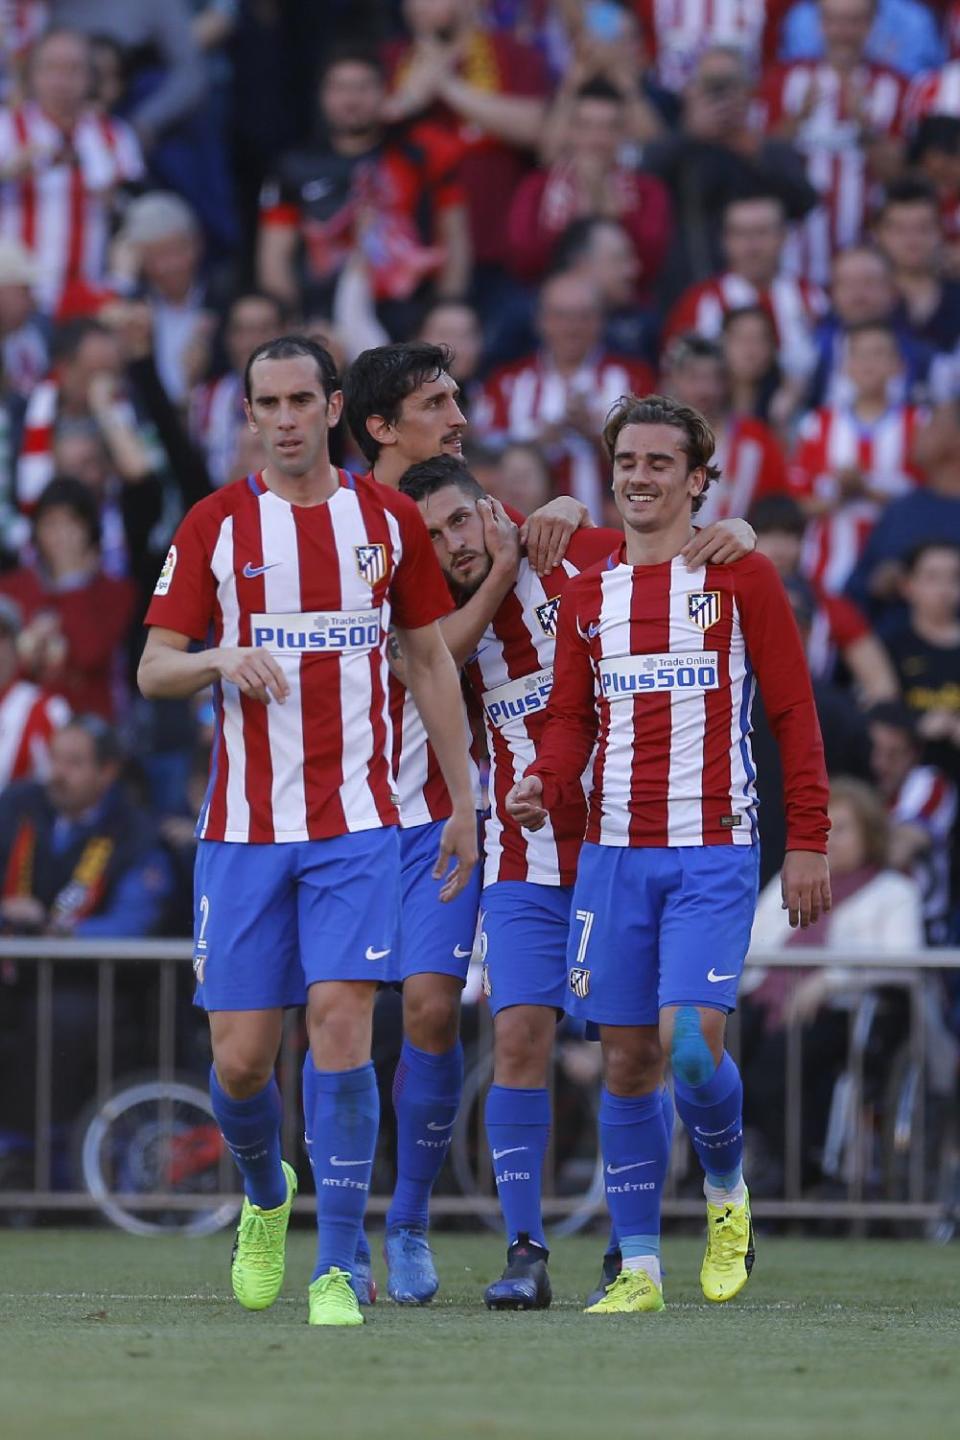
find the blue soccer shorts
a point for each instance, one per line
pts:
(653, 927)
(523, 938)
(271, 920)
(435, 938)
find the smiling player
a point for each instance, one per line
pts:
(655, 667)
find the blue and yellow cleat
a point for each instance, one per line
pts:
(730, 1250)
(259, 1249)
(524, 1284)
(411, 1274)
(632, 1293)
(332, 1300)
(609, 1270)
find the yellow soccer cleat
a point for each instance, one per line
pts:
(633, 1292)
(259, 1249)
(332, 1300)
(730, 1251)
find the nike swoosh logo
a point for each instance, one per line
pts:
(335, 1161)
(376, 954)
(459, 954)
(715, 979)
(432, 1125)
(514, 1150)
(251, 571)
(619, 1169)
(593, 631)
(715, 1132)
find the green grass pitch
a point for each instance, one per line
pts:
(106, 1337)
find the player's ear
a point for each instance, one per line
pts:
(334, 408)
(249, 414)
(696, 480)
(381, 430)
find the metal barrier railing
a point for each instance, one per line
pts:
(43, 959)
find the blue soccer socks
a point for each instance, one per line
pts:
(426, 1098)
(713, 1115)
(343, 1134)
(633, 1141)
(518, 1128)
(251, 1129)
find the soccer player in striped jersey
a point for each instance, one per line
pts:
(654, 676)
(292, 579)
(528, 878)
(401, 404)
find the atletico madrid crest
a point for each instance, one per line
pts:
(703, 607)
(579, 981)
(547, 615)
(371, 563)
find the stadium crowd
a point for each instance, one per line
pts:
(751, 205)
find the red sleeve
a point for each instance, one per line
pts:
(184, 598)
(847, 622)
(588, 546)
(418, 591)
(443, 154)
(777, 656)
(96, 625)
(570, 730)
(530, 242)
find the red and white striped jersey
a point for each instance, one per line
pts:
(520, 400)
(59, 209)
(28, 719)
(678, 31)
(657, 664)
(511, 674)
(216, 419)
(316, 586)
(832, 440)
(830, 137)
(751, 464)
(935, 92)
(794, 305)
(928, 800)
(418, 781)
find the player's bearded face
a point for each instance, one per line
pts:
(652, 486)
(431, 422)
(456, 530)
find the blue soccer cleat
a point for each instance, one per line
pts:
(361, 1279)
(524, 1284)
(411, 1274)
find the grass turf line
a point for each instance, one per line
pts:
(858, 1341)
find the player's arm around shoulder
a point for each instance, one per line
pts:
(722, 543)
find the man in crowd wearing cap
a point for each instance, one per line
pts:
(29, 716)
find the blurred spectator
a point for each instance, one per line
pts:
(23, 341)
(846, 115)
(850, 460)
(833, 626)
(77, 618)
(933, 511)
(166, 72)
(588, 180)
(909, 233)
(456, 324)
(559, 396)
(863, 291)
(385, 200)
(13, 527)
(676, 34)
(217, 418)
(605, 43)
(602, 252)
(922, 805)
(925, 650)
(935, 155)
(487, 89)
(902, 34)
(163, 247)
(61, 164)
(749, 343)
(717, 156)
(754, 234)
(28, 715)
(22, 22)
(521, 478)
(748, 453)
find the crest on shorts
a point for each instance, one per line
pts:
(579, 982)
(703, 607)
(371, 563)
(547, 615)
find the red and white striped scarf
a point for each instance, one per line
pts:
(35, 462)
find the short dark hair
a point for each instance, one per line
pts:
(897, 716)
(289, 347)
(350, 53)
(936, 132)
(574, 242)
(911, 190)
(65, 492)
(108, 748)
(691, 346)
(598, 87)
(749, 195)
(777, 512)
(916, 552)
(68, 337)
(748, 312)
(379, 380)
(700, 442)
(427, 477)
(867, 327)
(263, 296)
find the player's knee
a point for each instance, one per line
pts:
(242, 1073)
(340, 1029)
(521, 1049)
(632, 1065)
(691, 1058)
(431, 1019)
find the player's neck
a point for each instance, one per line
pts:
(659, 546)
(389, 468)
(314, 488)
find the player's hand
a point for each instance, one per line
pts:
(253, 671)
(720, 544)
(500, 535)
(548, 531)
(805, 887)
(524, 803)
(458, 841)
